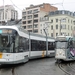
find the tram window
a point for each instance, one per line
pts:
(23, 44)
(38, 45)
(16, 43)
(33, 45)
(71, 43)
(43, 45)
(26, 44)
(4, 40)
(51, 45)
(20, 44)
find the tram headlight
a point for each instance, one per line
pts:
(60, 53)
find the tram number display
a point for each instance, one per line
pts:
(5, 31)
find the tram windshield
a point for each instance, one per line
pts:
(7, 40)
(61, 45)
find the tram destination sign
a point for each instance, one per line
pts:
(5, 31)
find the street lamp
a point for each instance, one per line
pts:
(46, 38)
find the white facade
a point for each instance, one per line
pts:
(62, 22)
(8, 12)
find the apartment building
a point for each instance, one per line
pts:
(31, 16)
(8, 12)
(57, 23)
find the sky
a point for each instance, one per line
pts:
(19, 5)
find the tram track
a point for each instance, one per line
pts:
(67, 68)
(63, 69)
(71, 67)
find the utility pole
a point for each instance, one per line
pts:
(46, 42)
(46, 38)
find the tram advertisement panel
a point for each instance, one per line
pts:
(71, 50)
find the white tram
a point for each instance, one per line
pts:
(18, 46)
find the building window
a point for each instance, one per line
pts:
(35, 11)
(23, 13)
(74, 27)
(29, 12)
(6, 16)
(35, 21)
(24, 17)
(51, 27)
(41, 31)
(51, 21)
(29, 30)
(51, 34)
(56, 26)
(74, 22)
(40, 24)
(35, 16)
(68, 27)
(71, 34)
(71, 21)
(36, 31)
(24, 22)
(71, 27)
(0, 15)
(63, 33)
(63, 20)
(56, 20)
(30, 17)
(56, 34)
(63, 26)
(29, 26)
(43, 25)
(35, 25)
(68, 20)
(24, 27)
(30, 21)
(63, 12)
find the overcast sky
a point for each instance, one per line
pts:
(22, 4)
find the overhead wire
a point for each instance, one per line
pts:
(62, 4)
(15, 5)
